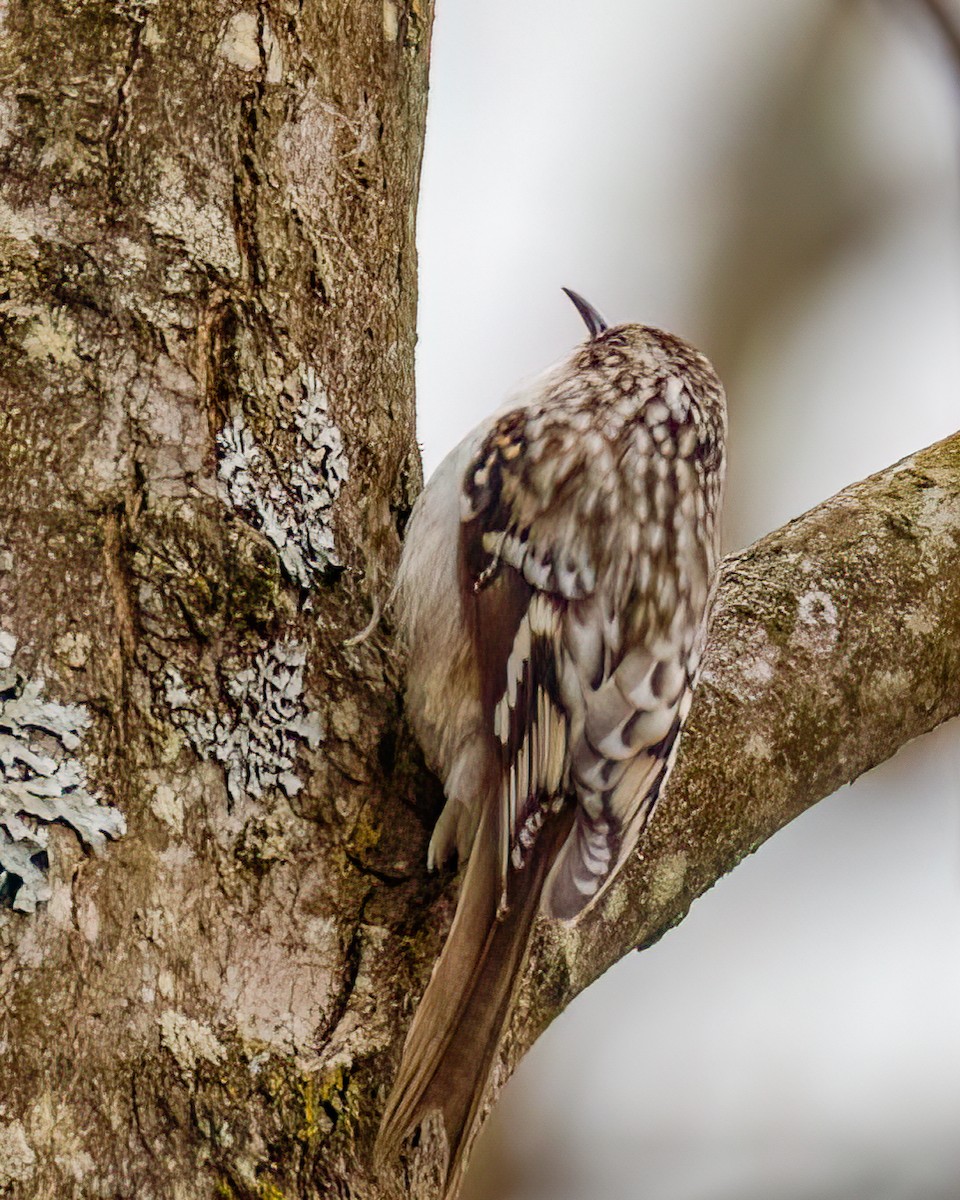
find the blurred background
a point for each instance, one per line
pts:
(779, 184)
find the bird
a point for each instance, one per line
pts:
(553, 595)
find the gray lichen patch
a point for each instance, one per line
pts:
(258, 737)
(41, 782)
(292, 508)
(817, 625)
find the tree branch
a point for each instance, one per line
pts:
(835, 641)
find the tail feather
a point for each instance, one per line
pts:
(452, 1044)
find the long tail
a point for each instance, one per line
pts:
(453, 1040)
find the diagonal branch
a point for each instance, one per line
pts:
(947, 20)
(835, 641)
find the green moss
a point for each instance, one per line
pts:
(365, 835)
(312, 1125)
(330, 1087)
(268, 1190)
(336, 1100)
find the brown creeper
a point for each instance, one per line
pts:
(553, 592)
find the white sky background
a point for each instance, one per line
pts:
(798, 1035)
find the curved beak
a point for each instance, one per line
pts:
(591, 318)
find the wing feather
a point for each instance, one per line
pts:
(586, 643)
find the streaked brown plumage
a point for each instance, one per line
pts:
(554, 591)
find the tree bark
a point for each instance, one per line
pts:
(207, 450)
(212, 819)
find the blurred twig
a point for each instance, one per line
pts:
(947, 20)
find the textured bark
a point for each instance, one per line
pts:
(208, 305)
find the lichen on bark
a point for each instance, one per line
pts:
(41, 781)
(206, 243)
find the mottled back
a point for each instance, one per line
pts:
(589, 544)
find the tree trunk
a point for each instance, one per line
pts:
(207, 452)
(216, 915)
